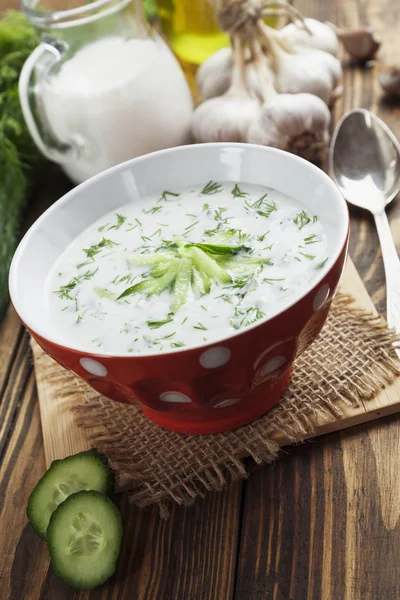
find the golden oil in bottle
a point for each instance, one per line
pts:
(191, 28)
(193, 32)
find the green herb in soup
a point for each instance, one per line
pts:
(172, 271)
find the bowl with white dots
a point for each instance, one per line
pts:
(214, 386)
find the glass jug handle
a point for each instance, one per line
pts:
(42, 58)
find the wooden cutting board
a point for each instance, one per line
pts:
(62, 437)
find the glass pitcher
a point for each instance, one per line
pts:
(101, 87)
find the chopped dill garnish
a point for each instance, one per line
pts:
(205, 206)
(191, 226)
(311, 239)
(138, 222)
(297, 258)
(191, 215)
(218, 214)
(64, 290)
(200, 326)
(145, 238)
(184, 320)
(237, 192)
(100, 229)
(96, 248)
(163, 197)
(87, 262)
(120, 221)
(170, 335)
(309, 256)
(152, 210)
(177, 344)
(156, 232)
(243, 318)
(260, 238)
(132, 227)
(211, 188)
(204, 308)
(322, 264)
(158, 324)
(302, 219)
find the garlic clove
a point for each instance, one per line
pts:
(297, 123)
(214, 75)
(224, 119)
(389, 78)
(322, 37)
(309, 71)
(361, 43)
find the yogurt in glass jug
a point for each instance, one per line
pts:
(101, 88)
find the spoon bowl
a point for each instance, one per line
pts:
(365, 160)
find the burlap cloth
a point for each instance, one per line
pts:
(352, 359)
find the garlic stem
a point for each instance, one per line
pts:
(239, 85)
(287, 9)
(266, 87)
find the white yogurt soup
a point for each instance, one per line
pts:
(184, 268)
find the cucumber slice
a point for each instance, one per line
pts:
(153, 286)
(85, 536)
(83, 471)
(182, 284)
(207, 265)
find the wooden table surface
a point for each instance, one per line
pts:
(322, 523)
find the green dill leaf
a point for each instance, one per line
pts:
(165, 194)
(205, 206)
(177, 344)
(237, 192)
(211, 188)
(322, 264)
(158, 324)
(309, 256)
(200, 326)
(302, 219)
(120, 221)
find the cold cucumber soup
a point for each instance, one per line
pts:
(183, 268)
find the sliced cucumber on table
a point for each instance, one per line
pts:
(83, 471)
(84, 537)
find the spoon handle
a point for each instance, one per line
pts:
(392, 270)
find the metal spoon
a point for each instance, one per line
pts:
(364, 160)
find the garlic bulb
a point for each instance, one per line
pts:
(361, 43)
(306, 71)
(214, 75)
(228, 117)
(298, 123)
(389, 78)
(321, 36)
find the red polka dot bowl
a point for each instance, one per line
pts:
(212, 387)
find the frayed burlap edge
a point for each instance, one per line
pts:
(199, 464)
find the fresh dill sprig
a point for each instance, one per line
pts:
(120, 221)
(158, 324)
(96, 248)
(165, 194)
(237, 192)
(322, 264)
(311, 239)
(211, 188)
(200, 326)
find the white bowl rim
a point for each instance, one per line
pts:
(24, 243)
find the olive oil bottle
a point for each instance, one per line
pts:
(191, 28)
(193, 33)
